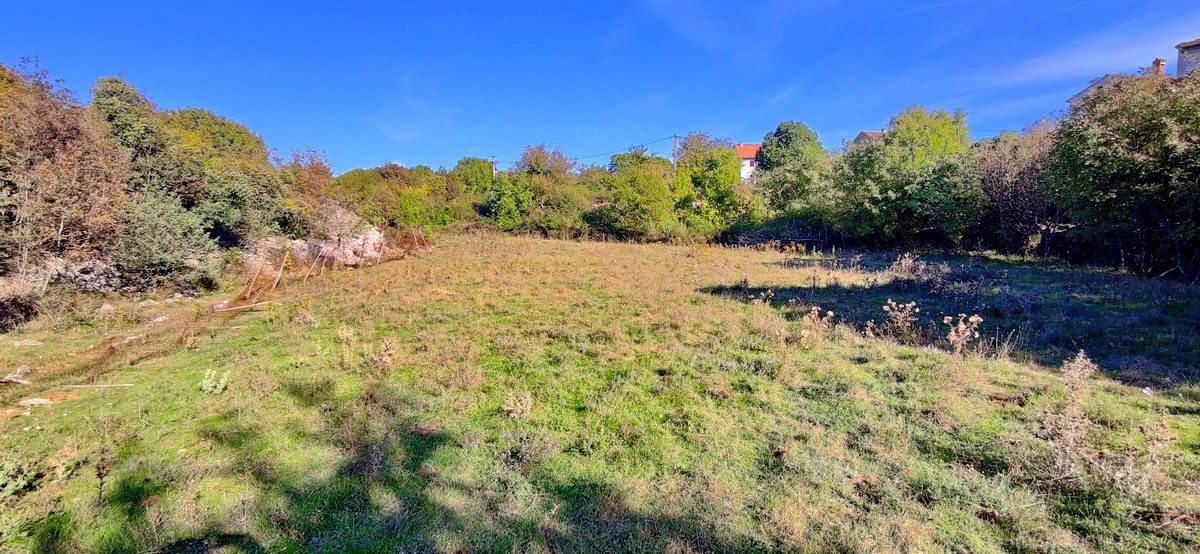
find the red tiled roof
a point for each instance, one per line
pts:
(747, 151)
(1188, 44)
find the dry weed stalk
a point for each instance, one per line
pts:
(815, 325)
(381, 360)
(1068, 429)
(1135, 471)
(901, 321)
(346, 337)
(962, 332)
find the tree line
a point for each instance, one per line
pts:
(162, 194)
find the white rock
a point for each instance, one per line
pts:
(27, 342)
(32, 402)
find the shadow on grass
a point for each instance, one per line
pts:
(387, 496)
(1142, 332)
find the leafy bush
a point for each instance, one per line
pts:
(511, 198)
(162, 242)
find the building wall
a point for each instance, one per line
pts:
(1188, 61)
(747, 168)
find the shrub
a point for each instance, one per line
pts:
(162, 242)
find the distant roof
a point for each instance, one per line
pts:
(1189, 44)
(869, 137)
(1097, 84)
(747, 151)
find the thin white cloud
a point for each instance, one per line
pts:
(1115, 50)
(929, 8)
(410, 117)
(747, 32)
(1042, 104)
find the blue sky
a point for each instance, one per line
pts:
(432, 82)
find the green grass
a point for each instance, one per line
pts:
(669, 411)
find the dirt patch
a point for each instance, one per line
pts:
(6, 413)
(60, 395)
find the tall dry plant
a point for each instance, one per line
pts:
(814, 324)
(962, 332)
(901, 323)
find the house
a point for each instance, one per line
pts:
(1189, 60)
(1097, 85)
(748, 153)
(869, 137)
(1189, 57)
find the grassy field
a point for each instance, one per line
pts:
(505, 394)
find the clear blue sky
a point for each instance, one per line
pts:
(431, 82)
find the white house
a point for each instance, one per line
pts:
(1189, 57)
(748, 153)
(1189, 60)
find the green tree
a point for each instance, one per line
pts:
(707, 185)
(131, 116)
(208, 136)
(921, 185)
(136, 125)
(916, 138)
(475, 174)
(642, 204)
(792, 165)
(510, 200)
(163, 242)
(1126, 169)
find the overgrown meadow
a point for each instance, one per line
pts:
(508, 394)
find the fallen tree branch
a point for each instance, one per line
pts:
(236, 308)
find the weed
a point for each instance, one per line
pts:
(104, 463)
(347, 338)
(962, 332)
(815, 326)
(901, 323)
(383, 358)
(517, 405)
(16, 478)
(211, 384)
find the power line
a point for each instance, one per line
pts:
(496, 162)
(642, 145)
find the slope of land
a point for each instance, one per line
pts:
(506, 394)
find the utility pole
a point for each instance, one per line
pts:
(674, 158)
(493, 159)
(674, 149)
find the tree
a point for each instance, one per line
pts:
(475, 174)
(162, 241)
(208, 135)
(920, 185)
(792, 164)
(539, 160)
(136, 125)
(510, 200)
(61, 178)
(131, 116)
(1018, 217)
(641, 201)
(707, 186)
(917, 138)
(1126, 169)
